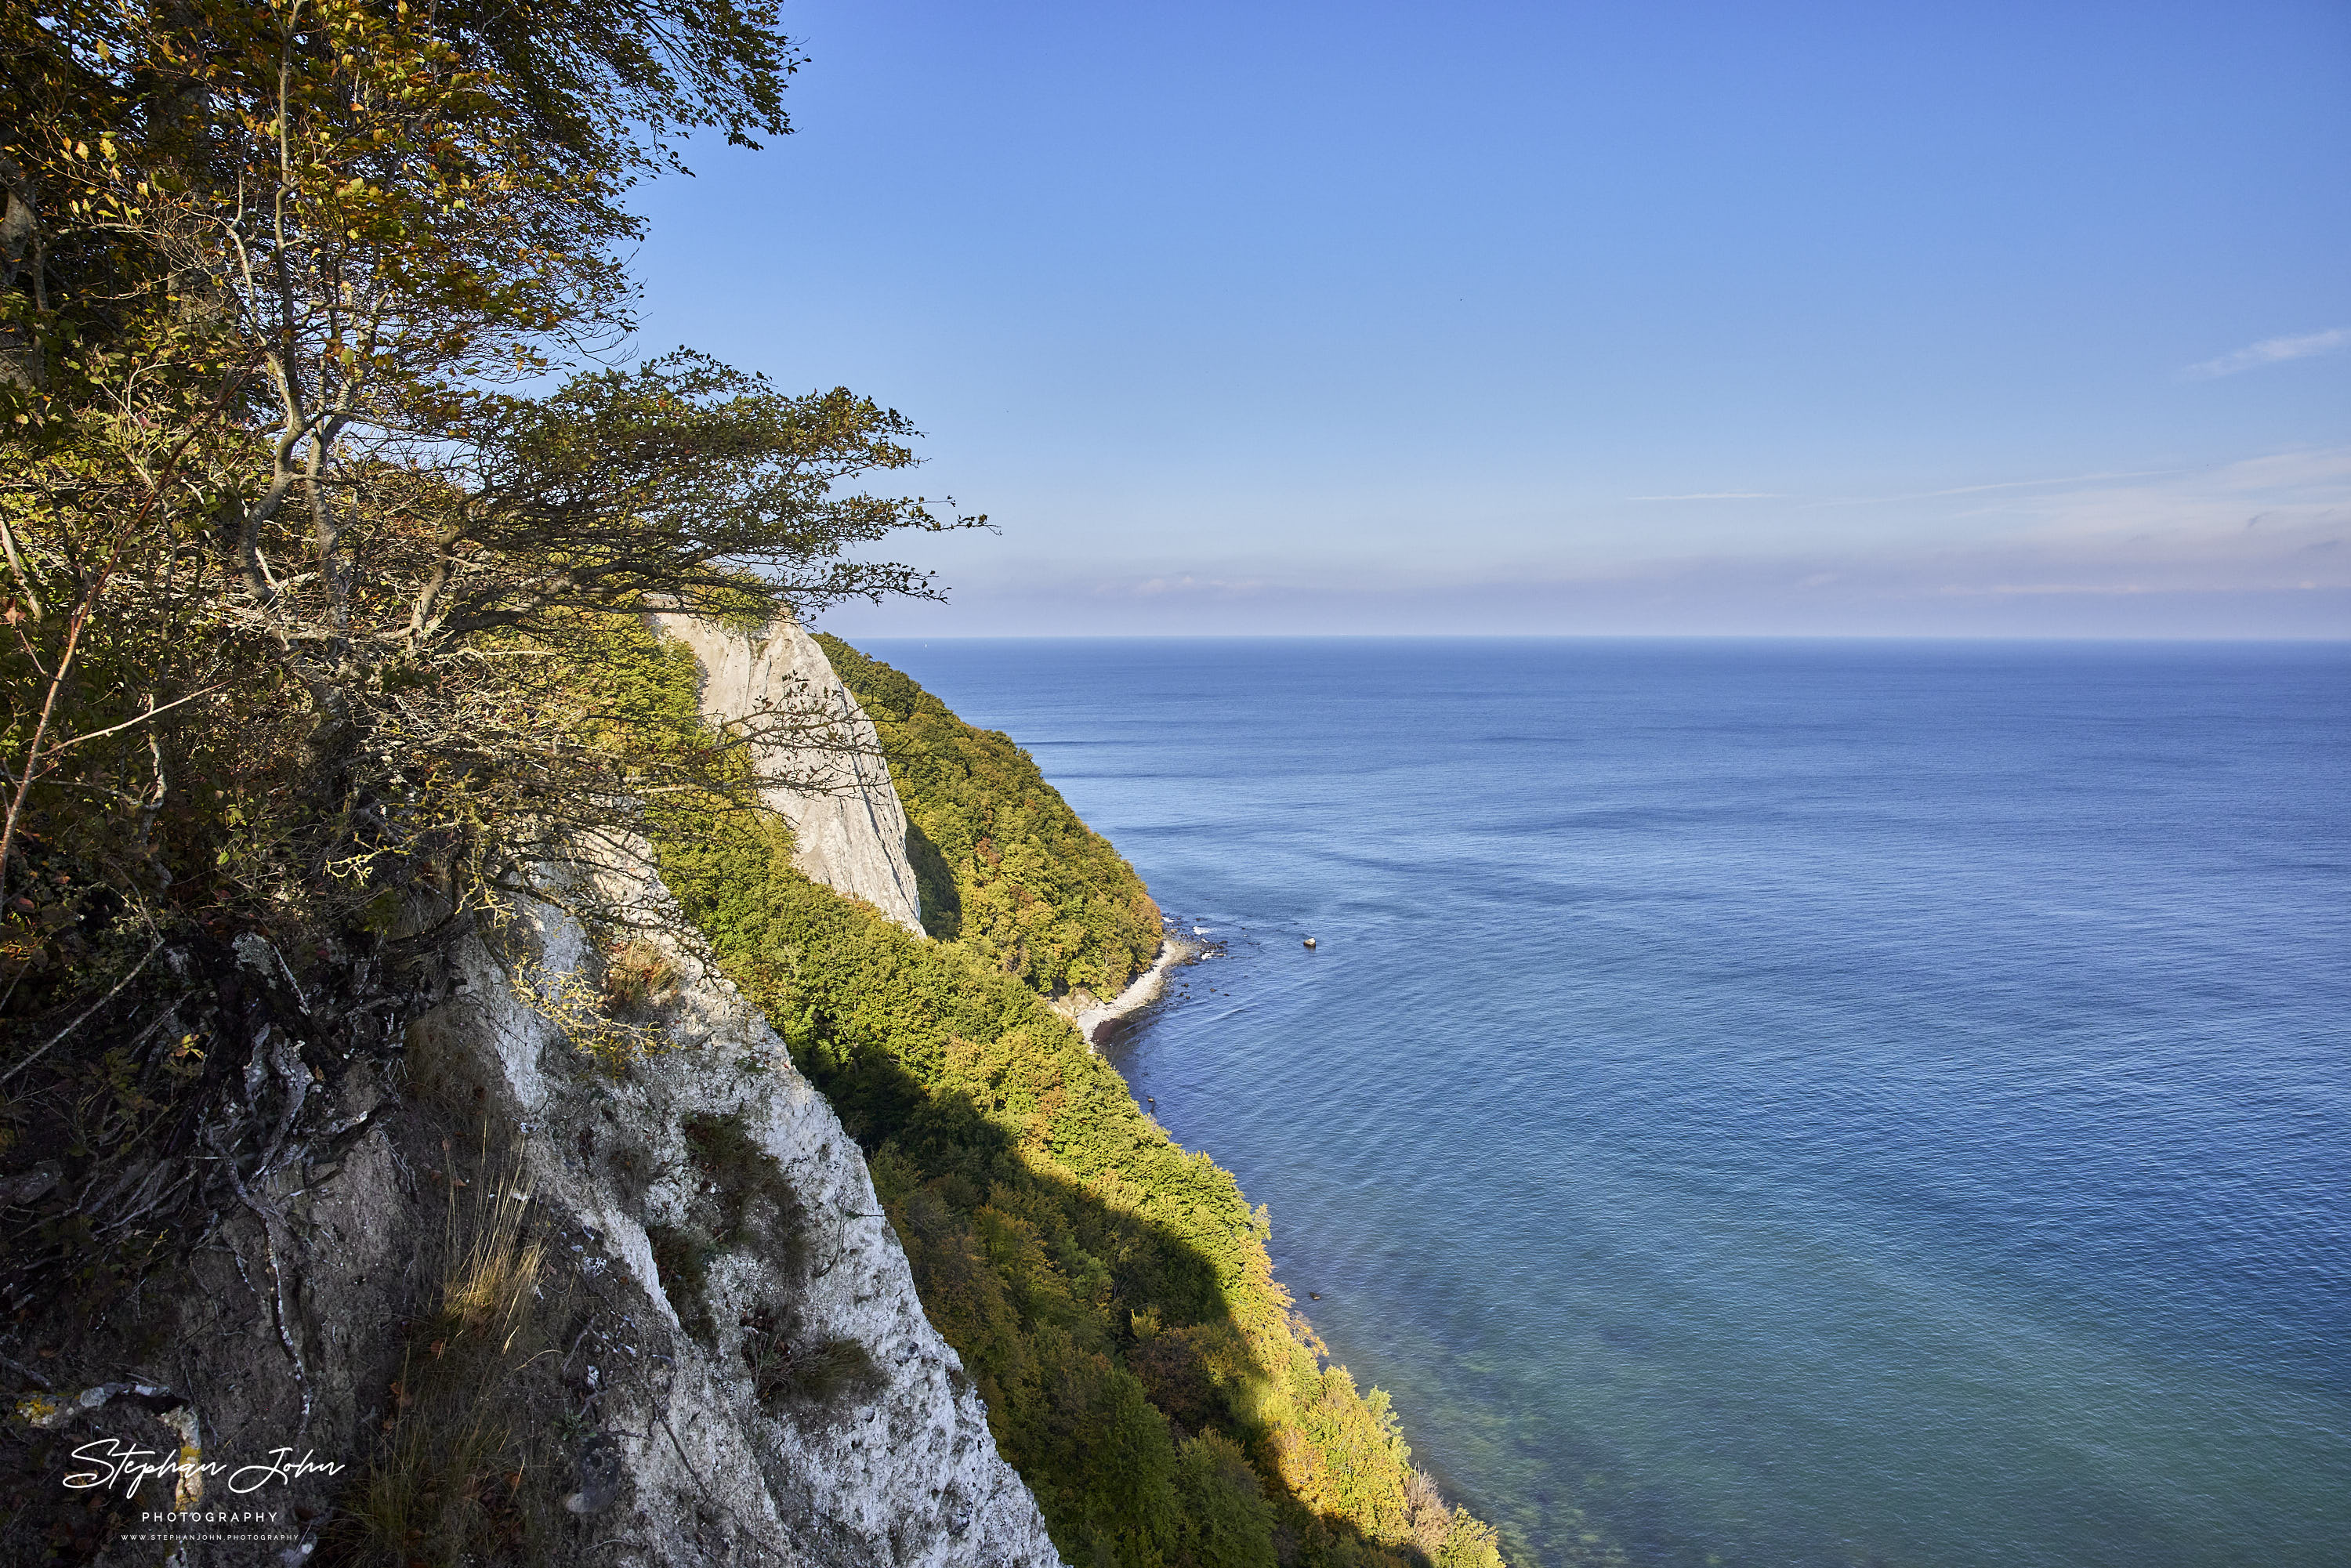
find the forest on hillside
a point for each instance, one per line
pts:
(1005, 867)
(1110, 1290)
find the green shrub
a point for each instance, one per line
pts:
(797, 1377)
(1228, 1522)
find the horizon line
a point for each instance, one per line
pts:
(2341, 639)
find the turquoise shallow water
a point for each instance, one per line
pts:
(1771, 1103)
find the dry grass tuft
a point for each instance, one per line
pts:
(493, 1274)
(638, 973)
(464, 1470)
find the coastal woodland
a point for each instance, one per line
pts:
(1005, 867)
(334, 493)
(1111, 1292)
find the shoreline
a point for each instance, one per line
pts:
(1141, 991)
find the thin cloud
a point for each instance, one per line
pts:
(2003, 484)
(2256, 548)
(1153, 588)
(2271, 351)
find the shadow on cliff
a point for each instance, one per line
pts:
(1117, 1378)
(935, 882)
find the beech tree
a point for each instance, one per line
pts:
(303, 564)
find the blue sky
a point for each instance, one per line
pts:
(1626, 318)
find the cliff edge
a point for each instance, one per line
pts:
(551, 1250)
(524, 1280)
(788, 1398)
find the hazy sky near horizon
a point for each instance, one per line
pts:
(1675, 318)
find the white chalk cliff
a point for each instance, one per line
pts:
(848, 829)
(701, 1471)
(779, 1398)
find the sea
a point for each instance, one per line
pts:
(1769, 1103)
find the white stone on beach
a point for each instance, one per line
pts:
(1089, 1014)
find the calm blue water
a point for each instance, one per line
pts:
(1771, 1104)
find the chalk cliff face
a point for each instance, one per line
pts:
(849, 826)
(770, 1392)
(899, 1468)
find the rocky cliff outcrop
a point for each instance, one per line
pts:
(530, 1280)
(719, 1444)
(849, 826)
(576, 1261)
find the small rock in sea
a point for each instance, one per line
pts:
(1314, 1295)
(1309, 941)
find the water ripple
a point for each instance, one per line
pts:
(1772, 1104)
